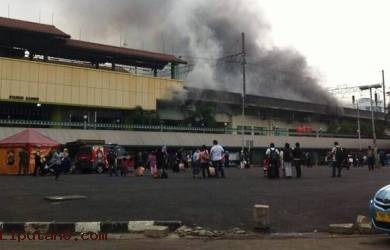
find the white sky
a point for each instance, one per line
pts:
(344, 41)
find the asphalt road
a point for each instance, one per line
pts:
(297, 205)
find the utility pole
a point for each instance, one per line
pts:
(243, 91)
(358, 121)
(384, 93)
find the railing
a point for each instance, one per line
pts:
(166, 128)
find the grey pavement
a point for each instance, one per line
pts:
(297, 205)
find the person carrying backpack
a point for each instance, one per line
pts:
(337, 159)
(273, 156)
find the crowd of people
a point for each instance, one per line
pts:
(203, 161)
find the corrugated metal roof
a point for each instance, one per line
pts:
(9, 23)
(120, 51)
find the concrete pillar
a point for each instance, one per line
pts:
(261, 216)
(155, 72)
(173, 71)
(113, 66)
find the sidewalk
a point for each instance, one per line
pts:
(312, 242)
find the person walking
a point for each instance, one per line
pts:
(216, 153)
(297, 159)
(287, 159)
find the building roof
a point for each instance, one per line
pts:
(14, 24)
(56, 43)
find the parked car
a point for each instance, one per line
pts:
(380, 210)
(91, 158)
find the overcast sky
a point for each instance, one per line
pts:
(344, 41)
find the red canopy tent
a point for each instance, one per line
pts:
(30, 139)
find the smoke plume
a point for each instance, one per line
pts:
(203, 32)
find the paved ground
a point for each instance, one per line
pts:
(317, 243)
(298, 205)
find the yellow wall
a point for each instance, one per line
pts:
(63, 84)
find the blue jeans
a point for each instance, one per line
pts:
(219, 168)
(336, 165)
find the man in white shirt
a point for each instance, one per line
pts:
(216, 153)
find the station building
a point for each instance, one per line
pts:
(72, 89)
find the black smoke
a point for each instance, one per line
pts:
(203, 32)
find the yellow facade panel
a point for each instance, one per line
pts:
(99, 79)
(51, 92)
(132, 83)
(126, 99)
(51, 74)
(60, 74)
(42, 73)
(112, 80)
(59, 94)
(132, 100)
(42, 93)
(5, 89)
(67, 94)
(105, 97)
(105, 80)
(76, 76)
(83, 78)
(98, 97)
(83, 96)
(119, 99)
(64, 84)
(75, 95)
(34, 72)
(138, 99)
(91, 96)
(92, 78)
(32, 89)
(67, 75)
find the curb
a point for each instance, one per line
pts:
(80, 227)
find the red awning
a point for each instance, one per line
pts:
(28, 137)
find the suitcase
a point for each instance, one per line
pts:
(140, 171)
(212, 171)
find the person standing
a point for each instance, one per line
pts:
(273, 156)
(337, 159)
(56, 162)
(297, 159)
(195, 163)
(370, 158)
(216, 153)
(23, 161)
(38, 163)
(287, 159)
(204, 161)
(111, 158)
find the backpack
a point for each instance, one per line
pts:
(273, 156)
(288, 155)
(339, 154)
